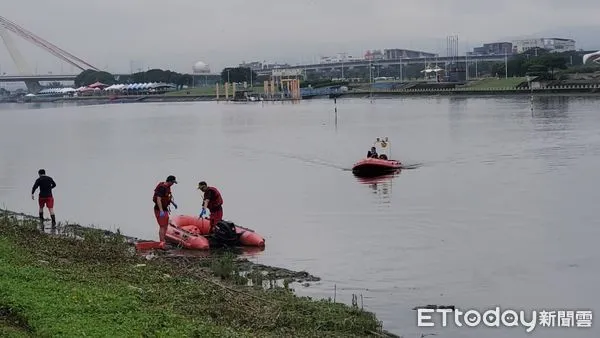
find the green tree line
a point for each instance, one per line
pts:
(87, 77)
(239, 74)
(539, 62)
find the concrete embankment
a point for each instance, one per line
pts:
(567, 91)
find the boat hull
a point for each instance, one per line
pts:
(375, 167)
(193, 233)
(378, 178)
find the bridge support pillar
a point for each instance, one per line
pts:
(266, 89)
(33, 87)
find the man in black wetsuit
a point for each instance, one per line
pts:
(372, 153)
(45, 198)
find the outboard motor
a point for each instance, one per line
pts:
(225, 234)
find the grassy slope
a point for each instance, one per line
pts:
(491, 83)
(53, 286)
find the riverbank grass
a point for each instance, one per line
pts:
(92, 284)
(495, 83)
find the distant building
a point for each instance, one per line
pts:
(555, 45)
(201, 68)
(397, 53)
(493, 48)
(257, 65)
(202, 76)
(340, 57)
(374, 55)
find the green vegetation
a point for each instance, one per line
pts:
(90, 283)
(160, 76)
(322, 83)
(489, 83)
(583, 69)
(538, 62)
(87, 77)
(201, 91)
(238, 74)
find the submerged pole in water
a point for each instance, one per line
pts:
(335, 109)
(531, 104)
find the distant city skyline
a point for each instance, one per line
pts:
(136, 65)
(120, 36)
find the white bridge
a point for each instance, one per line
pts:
(26, 75)
(592, 58)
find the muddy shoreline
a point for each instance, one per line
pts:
(182, 256)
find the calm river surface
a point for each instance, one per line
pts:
(501, 211)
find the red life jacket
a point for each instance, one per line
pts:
(165, 201)
(216, 201)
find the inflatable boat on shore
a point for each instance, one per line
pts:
(380, 165)
(193, 233)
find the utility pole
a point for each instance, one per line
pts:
(344, 54)
(505, 64)
(371, 80)
(466, 66)
(401, 76)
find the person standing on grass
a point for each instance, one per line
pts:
(162, 199)
(45, 197)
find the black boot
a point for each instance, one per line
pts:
(53, 220)
(42, 220)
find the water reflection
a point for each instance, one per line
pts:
(457, 104)
(248, 252)
(552, 107)
(381, 186)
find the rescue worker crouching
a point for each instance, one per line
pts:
(213, 201)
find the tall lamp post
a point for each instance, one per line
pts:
(505, 64)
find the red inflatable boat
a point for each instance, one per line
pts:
(192, 232)
(381, 165)
(378, 179)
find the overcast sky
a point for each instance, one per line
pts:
(118, 34)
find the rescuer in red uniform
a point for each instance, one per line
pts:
(162, 199)
(45, 198)
(213, 201)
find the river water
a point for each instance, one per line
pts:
(499, 211)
